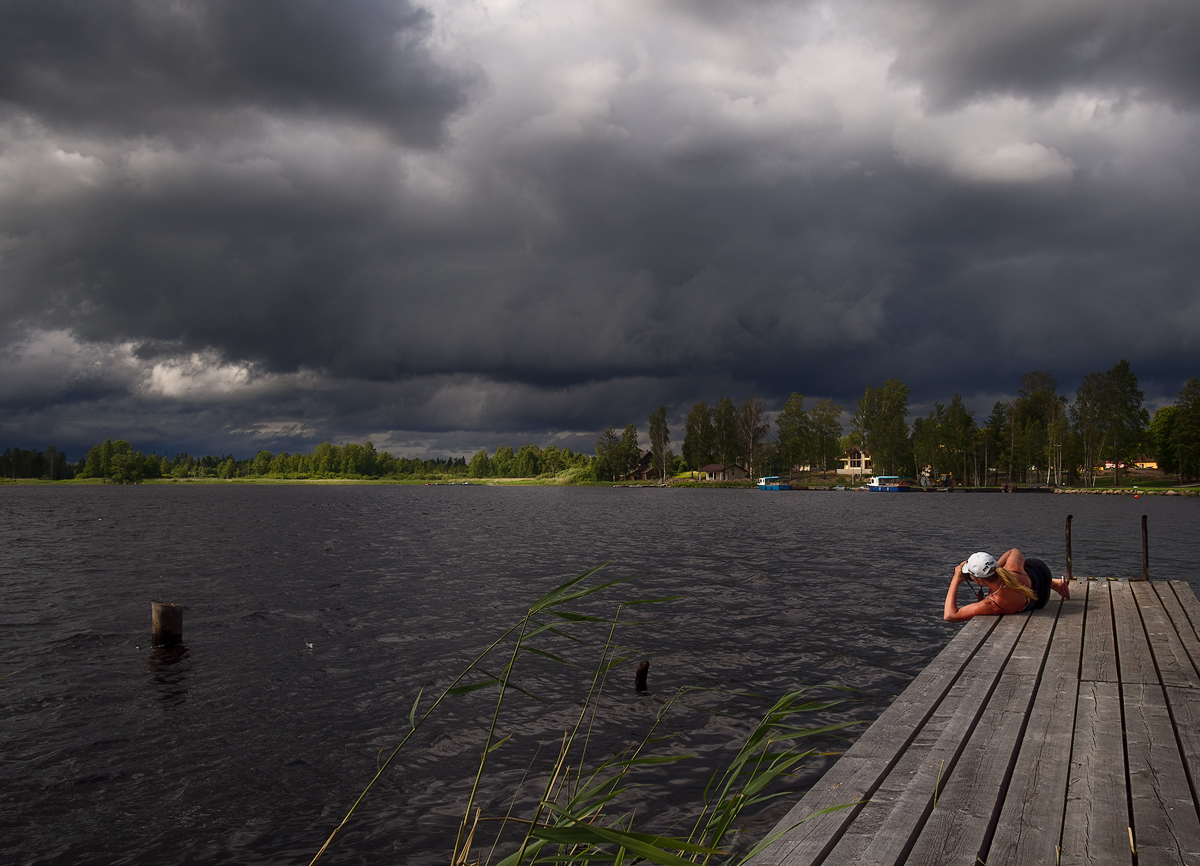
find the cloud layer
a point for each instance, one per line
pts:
(451, 225)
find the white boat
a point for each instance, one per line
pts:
(888, 484)
(773, 482)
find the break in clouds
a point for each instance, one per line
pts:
(231, 225)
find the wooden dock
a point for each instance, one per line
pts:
(1069, 735)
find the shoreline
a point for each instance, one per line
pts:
(1171, 490)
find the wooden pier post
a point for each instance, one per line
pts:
(643, 670)
(1145, 551)
(1069, 575)
(166, 624)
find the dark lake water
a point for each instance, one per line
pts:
(248, 747)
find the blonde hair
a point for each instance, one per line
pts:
(1010, 580)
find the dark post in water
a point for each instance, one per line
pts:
(1145, 551)
(643, 669)
(166, 623)
(1069, 575)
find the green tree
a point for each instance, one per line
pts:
(553, 461)
(124, 465)
(825, 425)
(660, 443)
(607, 461)
(698, 437)
(1162, 428)
(1185, 430)
(528, 461)
(1126, 416)
(1036, 408)
(481, 466)
(927, 440)
(881, 424)
(725, 437)
(629, 454)
(1108, 417)
(53, 463)
(502, 462)
(995, 440)
(752, 428)
(959, 434)
(795, 433)
(1088, 418)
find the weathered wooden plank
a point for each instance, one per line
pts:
(1175, 652)
(858, 773)
(958, 827)
(1133, 650)
(1165, 825)
(1170, 658)
(1187, 600)
(1096, 819)
(1185, 713)
(1099, 642)
(1032, 817)
(895, 834)
(921, 753)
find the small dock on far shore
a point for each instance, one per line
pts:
(1069, 735)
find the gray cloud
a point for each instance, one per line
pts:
(132, 67)
(962, 51)
(283, 222)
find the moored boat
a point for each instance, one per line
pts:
(888, 484)
(773, 482)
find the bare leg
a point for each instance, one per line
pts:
(1061, 587)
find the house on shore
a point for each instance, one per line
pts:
(645, 469)
(721, 472)
(855, 461)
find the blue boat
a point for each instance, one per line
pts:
(888, 484)
(773, 482)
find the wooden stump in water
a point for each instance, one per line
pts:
(166, 623)
(643, 669)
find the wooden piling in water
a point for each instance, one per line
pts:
(1145, 551)
(166, 624)
(1069, 575)
(643, 670)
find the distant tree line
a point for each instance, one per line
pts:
(19, 463)
(529, 461)
(1040, 436)
(116, 460)
(733, 435)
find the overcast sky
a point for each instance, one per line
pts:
(441, 226)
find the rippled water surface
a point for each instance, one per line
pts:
(248, 747)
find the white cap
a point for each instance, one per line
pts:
(981, 564)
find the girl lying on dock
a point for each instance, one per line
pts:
(1015, 584)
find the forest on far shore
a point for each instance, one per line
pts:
(1041, 436)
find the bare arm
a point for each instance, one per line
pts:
(952, 612)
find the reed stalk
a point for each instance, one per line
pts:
(578, 817)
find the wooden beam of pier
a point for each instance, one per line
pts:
(1070, 735)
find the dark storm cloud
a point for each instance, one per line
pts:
(284, 222)
(135, 67)
(961, 51)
